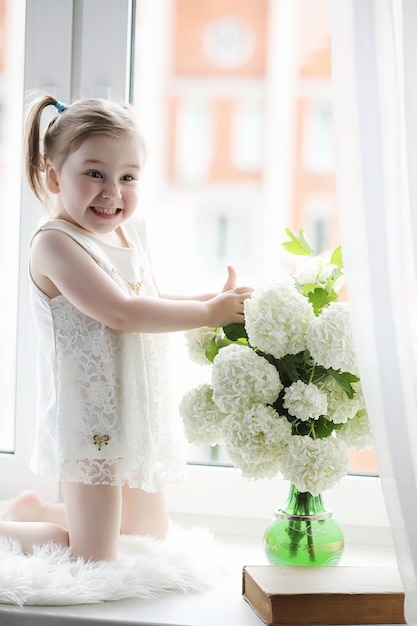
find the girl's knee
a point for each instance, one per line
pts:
(144, 513)
(59, 535)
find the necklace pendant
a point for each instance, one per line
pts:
(135, 287)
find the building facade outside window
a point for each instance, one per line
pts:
(215, 78)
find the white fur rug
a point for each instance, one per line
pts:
(189, 560)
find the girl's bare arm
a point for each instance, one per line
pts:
(60, 266)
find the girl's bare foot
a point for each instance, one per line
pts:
(26, 507)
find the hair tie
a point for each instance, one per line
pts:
(60, 106)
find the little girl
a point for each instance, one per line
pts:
(104, 425)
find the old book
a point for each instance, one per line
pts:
(324, 595)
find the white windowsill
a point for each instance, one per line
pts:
(221, 607)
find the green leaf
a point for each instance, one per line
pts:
(345, 380)
(299, 427)
(298, 244)
(320, 373)
(217, 344)
(291, 366)
(317, 429)
(319, 299)
(336, 258)
(323, 427)
(306, 288)
(235, 332)
(335, 275)
(212, 350)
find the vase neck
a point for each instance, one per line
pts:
(303, 504)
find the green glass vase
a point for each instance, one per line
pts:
(303, 532)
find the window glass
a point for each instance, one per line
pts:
(193, 145)
(247, 134)
(11, 82)
(212, 92)
(318, 139)
(221, 237)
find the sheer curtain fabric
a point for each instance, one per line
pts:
(374, 56)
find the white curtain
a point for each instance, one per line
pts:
(374, 58)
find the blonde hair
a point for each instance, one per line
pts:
(68, 130)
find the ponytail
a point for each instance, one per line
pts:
(33, 154)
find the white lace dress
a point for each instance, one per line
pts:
(104, 415)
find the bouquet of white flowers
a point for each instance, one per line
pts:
(285, 394)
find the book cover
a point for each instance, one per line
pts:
(324, 595)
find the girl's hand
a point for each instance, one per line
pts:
(228, 307)
(231, 279)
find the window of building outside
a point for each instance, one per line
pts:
(194, 125)
(217, 166)
(11, 82)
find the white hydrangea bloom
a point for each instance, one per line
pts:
(341, 408)
(198, 340)
(240, 377)
(314, 271)
(314, 465)
(202, 418)
(277, 319)
(256, 439)
(357, 433)
(329, 339)
(305, 401)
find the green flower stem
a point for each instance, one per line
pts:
(312, 431)
(295, 534)
(313, 369)
(310, 542)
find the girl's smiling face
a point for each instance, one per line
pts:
(97, 185)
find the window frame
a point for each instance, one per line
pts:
(75, 59)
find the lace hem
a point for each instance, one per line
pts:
(108, 473)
